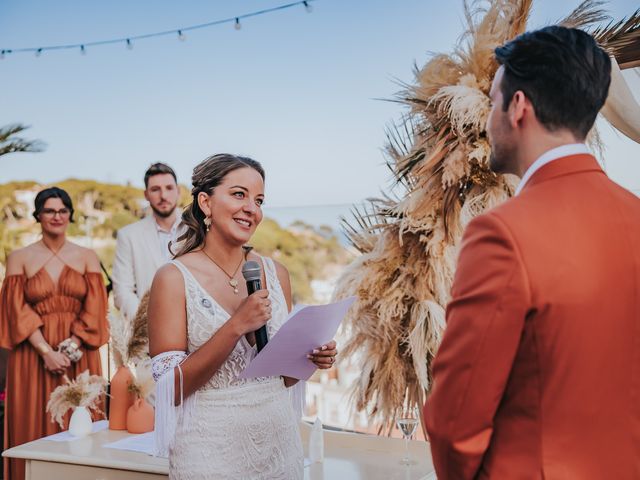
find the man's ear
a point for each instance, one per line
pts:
(146, 195)
(517, 108)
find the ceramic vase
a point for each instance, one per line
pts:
(140, 417)
(80, 424)
(121, 398)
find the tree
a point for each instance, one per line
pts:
(9, 143)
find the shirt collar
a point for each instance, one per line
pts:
(550, 156)
(174, 227)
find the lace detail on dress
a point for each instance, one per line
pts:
(206, 316)
(238, 428)
(162, 362)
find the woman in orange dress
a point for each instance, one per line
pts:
(53, 318)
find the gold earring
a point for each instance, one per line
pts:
(207, 224)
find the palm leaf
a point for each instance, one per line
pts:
(11, 144)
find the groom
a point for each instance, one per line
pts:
(538, 374)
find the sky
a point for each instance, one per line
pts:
(303, 93)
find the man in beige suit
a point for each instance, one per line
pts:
(143, 246)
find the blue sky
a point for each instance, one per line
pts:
(296, 91)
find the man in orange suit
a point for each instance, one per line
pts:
(538, 374)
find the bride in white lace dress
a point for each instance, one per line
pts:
(212, 424)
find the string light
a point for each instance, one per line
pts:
(181, 36)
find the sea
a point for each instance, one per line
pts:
(314, 215)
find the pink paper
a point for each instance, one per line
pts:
(306, 329)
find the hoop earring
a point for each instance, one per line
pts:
(207, 224)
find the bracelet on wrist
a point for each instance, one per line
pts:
(70, 349)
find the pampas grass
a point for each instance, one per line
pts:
(84, 391)
(138, 344)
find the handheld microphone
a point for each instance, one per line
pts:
(251, 273)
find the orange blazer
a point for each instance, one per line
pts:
(538, 373)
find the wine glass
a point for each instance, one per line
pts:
(407, 421)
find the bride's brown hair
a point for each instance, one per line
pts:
(206, 177)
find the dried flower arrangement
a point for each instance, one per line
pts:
(143, 384)
(130, 341)
(84, 391)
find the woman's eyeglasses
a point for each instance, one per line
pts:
(50, 212)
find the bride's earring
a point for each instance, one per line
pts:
(207, 224)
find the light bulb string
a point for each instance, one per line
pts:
(234, 19)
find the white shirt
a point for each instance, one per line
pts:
(167, 236)
(548, 157)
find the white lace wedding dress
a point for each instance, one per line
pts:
(231, 428)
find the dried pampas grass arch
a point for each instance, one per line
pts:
(438, 154)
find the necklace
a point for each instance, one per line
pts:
(233, 282)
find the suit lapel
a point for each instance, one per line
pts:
(152, 242)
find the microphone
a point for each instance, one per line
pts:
(251, 273)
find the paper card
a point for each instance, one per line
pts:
(306, 329)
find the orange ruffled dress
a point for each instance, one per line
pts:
(77, 305)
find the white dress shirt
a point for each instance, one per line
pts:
(165, 237)
(548, 157)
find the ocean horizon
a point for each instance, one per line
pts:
(314, 215)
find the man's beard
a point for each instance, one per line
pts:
(503, 155)
(162, 214)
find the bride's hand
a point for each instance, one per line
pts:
(253, 312)
(325, 355)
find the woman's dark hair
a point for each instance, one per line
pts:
(52, 192)
(206, 177)
(562, 71)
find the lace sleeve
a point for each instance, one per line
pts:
(167, 414)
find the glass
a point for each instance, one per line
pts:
(50, 212)
(407, 422)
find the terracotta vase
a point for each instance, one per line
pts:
(121, 399)
(140, 417)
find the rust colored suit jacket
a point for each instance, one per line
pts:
(538, 374)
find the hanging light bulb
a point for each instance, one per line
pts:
(38, 52)
(129, 44)
(2, 55)
(307, 7)
(237, 26)
(83, 51)
(181, 36)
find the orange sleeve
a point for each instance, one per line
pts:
(485, 319)
(91, 325)
(17, 319)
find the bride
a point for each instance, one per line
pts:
(212, 424)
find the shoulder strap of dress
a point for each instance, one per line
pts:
(184, 271)
(270, 272)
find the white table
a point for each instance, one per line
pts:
(347, 456)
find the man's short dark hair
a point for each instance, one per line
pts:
(562, 71)
(158, 169)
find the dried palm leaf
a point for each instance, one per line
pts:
(138, 344)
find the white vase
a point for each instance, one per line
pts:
(80, 424)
